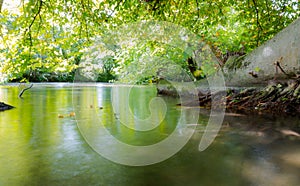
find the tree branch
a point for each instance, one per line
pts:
(35, 16)
(257, 21)
(198, 8)
(22, 91)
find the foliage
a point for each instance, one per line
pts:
(144, 61)
(45, 40)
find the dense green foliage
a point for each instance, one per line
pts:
(45, 40)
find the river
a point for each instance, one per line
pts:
(51, 138)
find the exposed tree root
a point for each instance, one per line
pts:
(276, 98)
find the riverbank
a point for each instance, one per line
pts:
(275, 98)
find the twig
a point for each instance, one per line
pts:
(22, 91)
(281, 69)
(198, 9)
(257, 22)
(277, 63)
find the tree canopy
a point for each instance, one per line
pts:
(45, 40)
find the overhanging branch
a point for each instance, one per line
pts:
(257, 21)
(35, 16)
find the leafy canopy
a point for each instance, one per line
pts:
(46, 39)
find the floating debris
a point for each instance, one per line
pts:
(60, 116)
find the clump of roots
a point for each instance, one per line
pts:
(274, 98)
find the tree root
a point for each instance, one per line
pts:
(280, 98)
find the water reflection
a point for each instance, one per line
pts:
(38, 148)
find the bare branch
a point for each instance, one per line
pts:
(35, 16)
(23, 90)
(257, 21)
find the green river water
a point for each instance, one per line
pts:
(41, 144)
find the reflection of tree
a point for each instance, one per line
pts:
(121, 120)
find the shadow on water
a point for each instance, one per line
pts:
(40, 148)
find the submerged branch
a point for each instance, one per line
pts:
(22, 91)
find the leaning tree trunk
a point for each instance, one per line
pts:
(278, 58)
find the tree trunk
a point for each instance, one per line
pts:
(278, 58)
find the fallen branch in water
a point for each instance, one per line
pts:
(23, 90)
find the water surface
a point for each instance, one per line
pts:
(41, 143)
